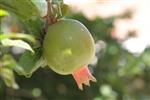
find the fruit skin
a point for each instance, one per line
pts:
(67, 46)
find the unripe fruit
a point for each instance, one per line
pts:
(68, 47)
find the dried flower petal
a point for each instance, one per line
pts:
(83, 76)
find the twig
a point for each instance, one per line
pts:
(22, 93)
(49, 11)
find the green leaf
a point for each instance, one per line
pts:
(26, 12)
(64, 9)
(22, 8)
(31, 62)
(17, 43)
(8, 77)
(34, 26)
(59, 8)
(3, 13)
(18, 35)
(8, 61)
(41, 6)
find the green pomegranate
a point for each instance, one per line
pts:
(68, 48)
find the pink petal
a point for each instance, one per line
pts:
(83, 76)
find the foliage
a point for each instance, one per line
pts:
(120, 75)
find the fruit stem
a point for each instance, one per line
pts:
(50, 19)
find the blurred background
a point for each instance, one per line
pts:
(121, 30)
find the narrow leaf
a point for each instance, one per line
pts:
(18, 35)
(8, 77)
(17, 43)
(9, 62)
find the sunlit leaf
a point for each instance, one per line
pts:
(3, 13)
(25, 11)
(22, 8)
(17, 43)
(8, 61)
(8, 77)
(19, 36)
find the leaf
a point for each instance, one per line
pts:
(64, 9)
(22, 8)
(9, 62)
(34, 25)
(18, 35)
(30, 62)
(26, 12)
(17, 43)
(3, 13)
(41, 5)
(59, 8)
(8, 77)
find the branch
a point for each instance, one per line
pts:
(50, 19)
